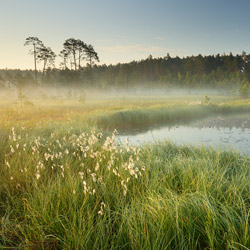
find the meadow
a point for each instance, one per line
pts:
(66, 184)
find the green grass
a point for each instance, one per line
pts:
(64, 186)
(175, 198)
(126, 119)
(116, 113)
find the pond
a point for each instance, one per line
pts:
(222, 132)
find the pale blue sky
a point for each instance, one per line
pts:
(125, 30)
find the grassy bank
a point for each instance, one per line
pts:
(166, 115)
(118, 114)
(77, 190)
(64, 185)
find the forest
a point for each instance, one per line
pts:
(222, 71)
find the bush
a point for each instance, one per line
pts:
(244, 89)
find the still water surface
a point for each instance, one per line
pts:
(223, 132)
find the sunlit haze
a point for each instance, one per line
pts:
(125, 124)
(123, 31)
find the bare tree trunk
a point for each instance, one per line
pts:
(79, 66)
(90, 61)
(70, 64)
(65, 63)
(35, 63)
(74, 55)
(44, 65)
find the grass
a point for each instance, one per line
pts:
(117, 113)
(65, 185)
(165, 115)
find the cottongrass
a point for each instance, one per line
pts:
(80, 190)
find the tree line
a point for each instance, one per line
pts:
(221, 71)
(74, 51)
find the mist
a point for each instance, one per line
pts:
(43, 94)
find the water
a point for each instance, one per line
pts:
(223, 132)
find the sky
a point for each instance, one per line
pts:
(124, 30)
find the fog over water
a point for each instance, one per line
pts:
(222, 132)
(39, 93)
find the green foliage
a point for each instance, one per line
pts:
(167, 115)
(2, 81)
(67, 186)
(214, 72)
(207, 99)
(73, 48)
(21, 97)
(82, 98)
(69, 189)
(244, 88)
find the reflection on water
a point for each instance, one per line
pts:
(220, 132)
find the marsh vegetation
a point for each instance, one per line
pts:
(67, 184)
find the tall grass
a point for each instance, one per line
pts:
(69, 189)
(65, 186)
(127, 119)
(118, 114)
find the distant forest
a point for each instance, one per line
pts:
(231, 72)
